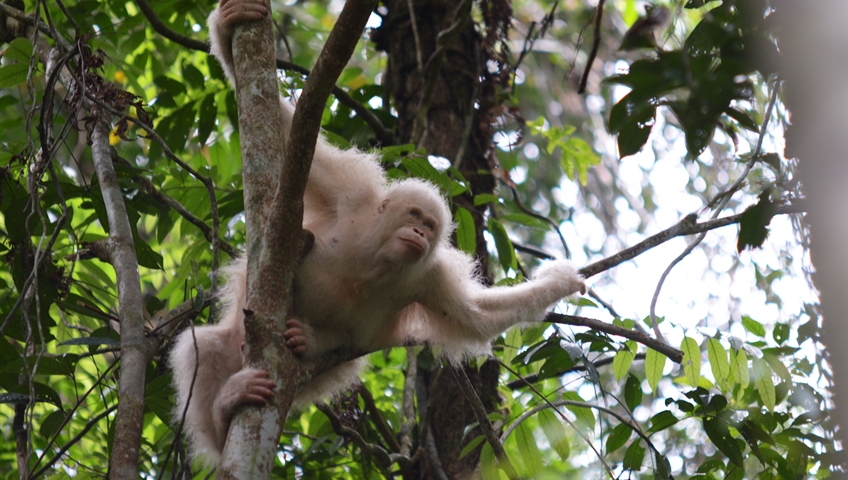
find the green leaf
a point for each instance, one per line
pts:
(719, 434)
(654, 365)
(585, 416)
(506, 252)
(528, 449)
(632, 119)
(778, 367)
(466, 234)
(484, 198)
(512, 343)
(470, 446)
(663, 467)
(207, 116)
(781, 333)
(634, 456)
(753, 226)
(772, 160)
(661, 421)
(743, 118)
(632, 392)
(19, 49)
(621, 363)
(618, 437)
(753, 326)
(13, 74)
(52, 423)
(764, 383)
(739, 367)
(577, 157)
(555, 432)
(488, 464)
(718, 362)
(691, 361)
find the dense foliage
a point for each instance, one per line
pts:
(679, 134)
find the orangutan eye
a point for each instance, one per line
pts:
(415, 213)
(429, 226)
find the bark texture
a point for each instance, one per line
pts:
(458, 128)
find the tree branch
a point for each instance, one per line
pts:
(149, 188)
(686, 226)
(135, 350)
(534, 377)
(674, 354)
(483, 420)
(377, 419)
(596, 43)
(386, 459)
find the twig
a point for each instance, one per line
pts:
(70, 414)
(385, 458)
(538, 216)
(592, 293)
(725, 198)
(596, 44)
(88, 426)
(166, 32)
(411, 7)
(561, 415)
(531, 250)
(674, 354)
(33, 273)
(534, 377)
(558, 403)
(483, 420)
(686, 226)
(149, 188)
(377, 418)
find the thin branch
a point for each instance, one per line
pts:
(580, 367)
(386, 459)
(725, 198)
(58, 228)
(166, 32)
(414, 22)
(592, 293)
(28, 19)
(674, 354)
(483, 420)
(149, 188)
(538, 216)
(88, 426)
(561, 415)
(686, 226)
(531, 250)
(559, 403)
(69, 414)
(378, 420)
(135, 350)
(207, 182)
(596, 44)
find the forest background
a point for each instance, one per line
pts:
(629, 137)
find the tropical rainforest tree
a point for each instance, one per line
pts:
(645, 142)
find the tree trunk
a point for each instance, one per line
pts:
(456, 125)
